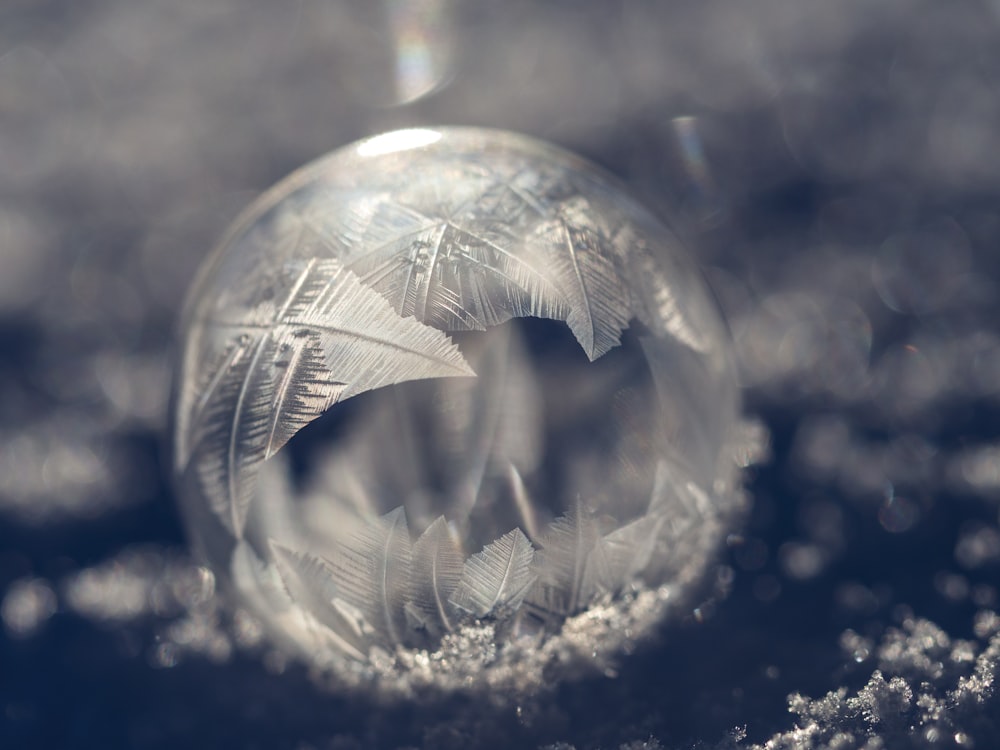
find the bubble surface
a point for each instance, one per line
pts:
(453, 386)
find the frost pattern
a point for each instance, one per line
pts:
(574, 246)
(498, 577)
(310, 581)
(480, 248)
(572, 564)
(350, 277)
(285, 363)
(377, 588)
(438, 561)
(446, 274)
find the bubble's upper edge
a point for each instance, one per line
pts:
(465, 137)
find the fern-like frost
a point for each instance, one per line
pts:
(312, 582)
(436, 572)
(405, 259)
(329, 339)
(372, 568)
(570, 566)
(457, 278)
(498, 578)
(583, 269)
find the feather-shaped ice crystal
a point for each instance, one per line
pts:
(449, 378)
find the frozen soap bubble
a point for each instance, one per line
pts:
(453, 406)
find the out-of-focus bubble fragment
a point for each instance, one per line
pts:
(981, 352)
(65, 467)
(137, 582)
(951, 586)
(701, 196)
(978, 545)
(986, 596)
(751, 444)
(424, 38)
(766, 588)
(801, 561)
(135, 386)
(115, 591)
(36, 111)
(751, 554)
(406, 50)
(856, 646)
(821, 443)
(908, 380)
(26, 605)
(811, 342)
(986, 624)
(897, 514)
(822, 519)
(977, 468)
(917, 271)
(857, 599)
(27, 256)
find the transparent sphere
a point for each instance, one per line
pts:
(445, 382)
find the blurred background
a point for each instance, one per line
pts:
(835, 169)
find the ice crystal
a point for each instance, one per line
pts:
(481, 472)
(928, 689)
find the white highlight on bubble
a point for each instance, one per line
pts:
(399, 140)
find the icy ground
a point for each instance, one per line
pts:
(836, 168)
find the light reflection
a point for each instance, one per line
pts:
(819, 343)
(897, 514)
(61, 469)
(135, 387)
(982, 350)
(26, 606)
(423, 39)
(951, 586)
(978, 469)
(920, 271)
(112, 592)
(399, 140)
(801, 560)
(704, 192)
(978, 545)
(909, 379)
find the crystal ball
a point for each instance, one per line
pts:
(446, 387)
